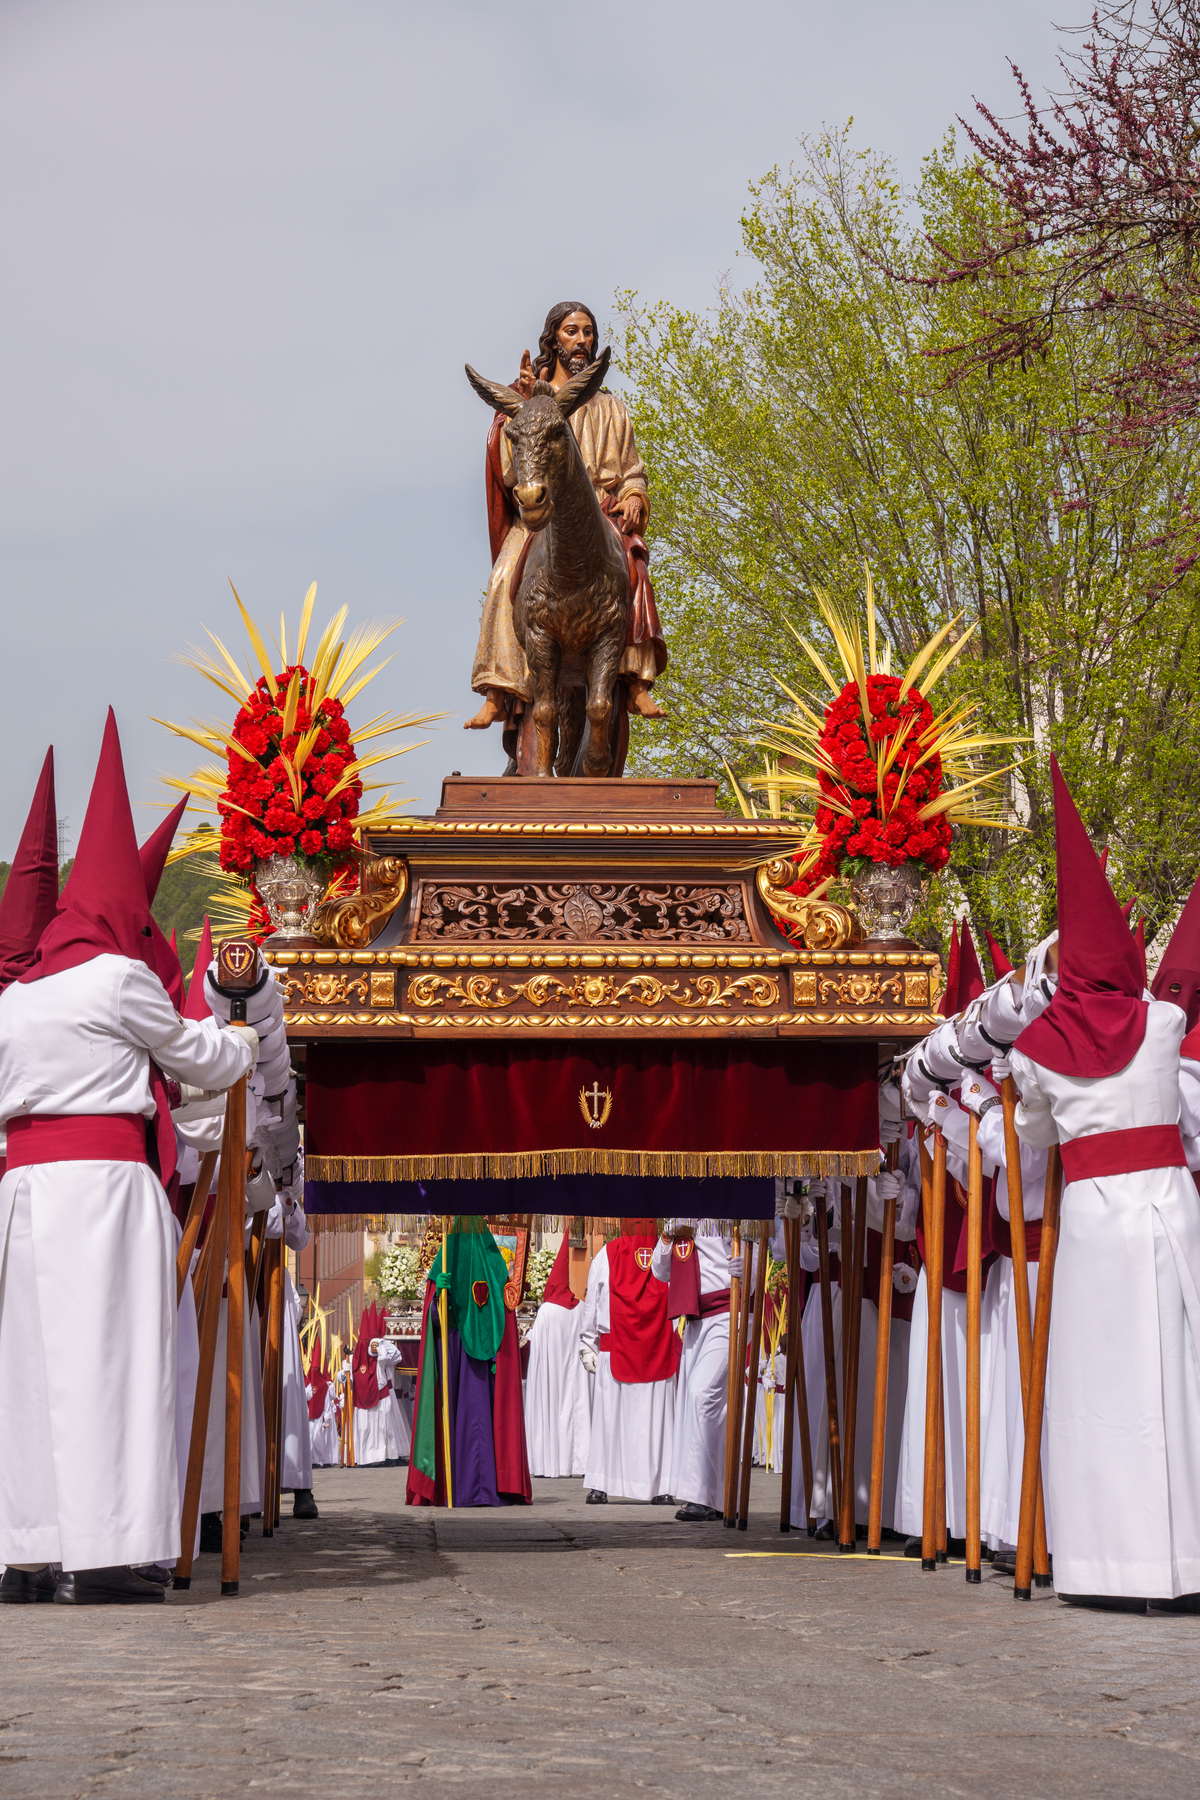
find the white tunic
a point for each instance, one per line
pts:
(558, 1401)
(88, 1470)
(632, 1437)
(702, 1396)
(323, 1432)
(1123, 1380)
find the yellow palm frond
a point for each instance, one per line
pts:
(260, 649)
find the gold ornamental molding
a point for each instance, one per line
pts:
(745, 829)
(593, 990)
(915, 1023)
(587, 956)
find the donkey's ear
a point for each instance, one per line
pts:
(499, 398)
(574, 393)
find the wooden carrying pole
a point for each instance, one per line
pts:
(1037, 1377)
(444, 1327)
(735, 1307)
(760, 1301)
(209, 1280)
(195, 1216)
(272, 1370)
(1016, 1224)
(974, 1303)
(831, 1394)
(935, 1193)
(795, 1387)
(852, 1299)
(883, 1349)
(235, 1154)
(739, 1381)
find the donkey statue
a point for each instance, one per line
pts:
(572, 602)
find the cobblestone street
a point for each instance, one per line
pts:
(594, 1651)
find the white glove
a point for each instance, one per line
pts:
(308, 1393)
(975, 1090)
(260, 1192)
(887, 1184)
(251, 1036)
(1001, 1069)
(904, 1278)
(588, 1358)
(780, 1200)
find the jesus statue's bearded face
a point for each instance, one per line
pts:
(575, 342)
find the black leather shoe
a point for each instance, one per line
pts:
(303, 1505)
(663, 1500)
(597, 1497)
(826, 1533)
(26, 1587)
(158, 1573)
(912, 1546)
(211, 1541)
(106, 1587)
(695, 1514)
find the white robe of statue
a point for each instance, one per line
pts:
(89, 1472)
(1123, 1379)
(702, 1397)
(632, 1436)
(323, 1434)
(558, 1401)
(397, 1419)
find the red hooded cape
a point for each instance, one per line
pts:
(643, 1346)
(318, 1381)
(1096, 1021)
(163, 959)
(367, 1391)
(970, 976)
(558, 1287)
(196, 1005)
(30, 895)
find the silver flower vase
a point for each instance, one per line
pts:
(886, 896)
(291, 889)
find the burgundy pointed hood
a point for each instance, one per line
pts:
(157, 847)
(103, 910)
(1096, 1021)
(970, 976)
(948, 1004)
(1000, 963)
(30, 895)
(1178, 976)
(196, 1005)
(557, 1291)
(163, 958)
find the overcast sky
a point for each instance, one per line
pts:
(248, 246)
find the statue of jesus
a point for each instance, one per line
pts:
(604, 434)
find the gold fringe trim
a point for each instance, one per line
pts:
(522, 1165)
(378, 1223)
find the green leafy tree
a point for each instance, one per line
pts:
(807, 426)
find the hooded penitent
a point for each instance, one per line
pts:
(1096, 1021)
(163, 958)
(1178, 975)
(970, 976)
(103, 910)
(557, 1291)
(1000, 963)
(948, 1004)
(196, 1005)
(31, 891)
(643, 1347)
(318, 1381)
(367, 1391)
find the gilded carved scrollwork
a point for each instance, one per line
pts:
(352, 921)
(584, 912)
(821, 924)
(489, 991)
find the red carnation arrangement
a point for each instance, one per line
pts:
(291, 779)
(879, 776)
(865, 818)
(291, 788)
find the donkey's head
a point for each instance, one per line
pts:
(542, 443)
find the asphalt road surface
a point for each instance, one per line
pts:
(561, 1650)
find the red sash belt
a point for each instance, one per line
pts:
(604, 1342)
(76, 1137)
(1123, 1152)
(716, 1302)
